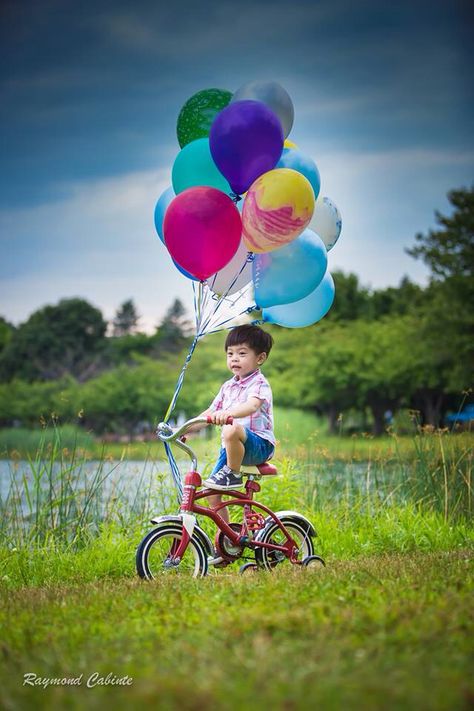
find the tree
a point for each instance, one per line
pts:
(66, 339)
(449, 252)
(398, 300)
(174, 329)
(6, 332)
(351, 300)
(126, 319)
(446, 320)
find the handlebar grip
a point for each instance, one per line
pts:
(229, 421)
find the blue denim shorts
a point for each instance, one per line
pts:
(257, 451)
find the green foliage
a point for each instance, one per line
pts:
(55, 341)
(119, 399)
(173, 330)
(35, 403)
(6, 332)
(352, 301)
(447, 320)
(449, 251)
(126, 319)
(121, 350)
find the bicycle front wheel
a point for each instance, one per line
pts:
(155, 554)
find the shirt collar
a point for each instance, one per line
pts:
(247, 377)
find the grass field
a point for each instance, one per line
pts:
(389, 631)
(387, 624)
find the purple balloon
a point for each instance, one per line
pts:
(246, 140)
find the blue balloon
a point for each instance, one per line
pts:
(195, 166)
(291, 272)
(296, 160)
(161, 206)
(183, 271)
(305, 312)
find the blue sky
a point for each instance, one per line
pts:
(90, 94)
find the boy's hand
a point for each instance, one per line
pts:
(220, 417)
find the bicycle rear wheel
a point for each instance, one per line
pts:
(155, 554)
(268, 559)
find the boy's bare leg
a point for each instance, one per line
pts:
(215, 501)
(234, 437)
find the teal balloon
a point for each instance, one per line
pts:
(290, 273)
(296, 160)
(194, 166)
(160, 210)
(305, 312)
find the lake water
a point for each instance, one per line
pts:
(129, 482)
(142, 485)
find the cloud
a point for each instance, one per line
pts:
(99, 243)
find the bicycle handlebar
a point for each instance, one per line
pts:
(229, 420)
(167, 433)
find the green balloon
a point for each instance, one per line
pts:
(198, 113)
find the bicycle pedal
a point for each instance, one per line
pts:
(218, 562)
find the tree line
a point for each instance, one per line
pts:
(376, 351)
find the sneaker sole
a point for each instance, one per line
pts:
(218, 487)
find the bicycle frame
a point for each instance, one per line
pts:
(252, 521)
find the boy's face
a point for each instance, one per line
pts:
(242, 360)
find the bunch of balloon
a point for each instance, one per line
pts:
(243, 213)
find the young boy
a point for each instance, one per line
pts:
(247, 397)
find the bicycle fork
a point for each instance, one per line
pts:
(178, 549)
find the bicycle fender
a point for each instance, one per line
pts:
(197, 530)
(296, 517)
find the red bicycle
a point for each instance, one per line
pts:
(264, 538)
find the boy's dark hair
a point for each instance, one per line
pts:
(253, 336)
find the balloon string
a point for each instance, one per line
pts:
(175, 472)
(206, 321)
(179, 383)
(224, 295)
(222, 327)
(195, 306)
(230, 315)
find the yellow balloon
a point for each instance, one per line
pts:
(289, 144)
(278, 207)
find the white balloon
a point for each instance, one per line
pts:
(274, 96)
(219, 283)
(326, 221)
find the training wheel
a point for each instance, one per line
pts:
(248, 568)
(313, 560)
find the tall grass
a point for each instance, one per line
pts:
(63, 502)
(61, 498)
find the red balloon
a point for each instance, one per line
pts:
(202, 230)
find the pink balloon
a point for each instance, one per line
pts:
(202, 230)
